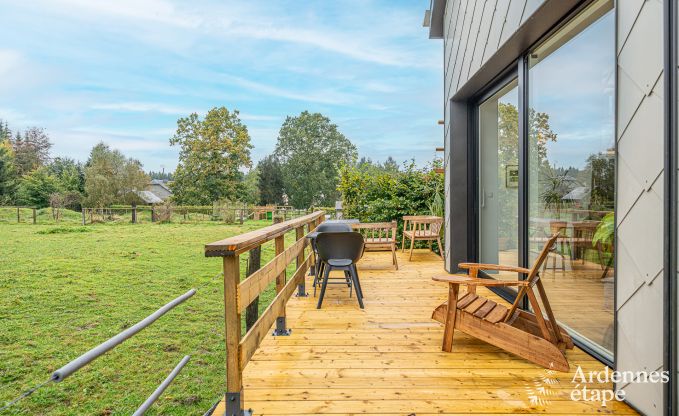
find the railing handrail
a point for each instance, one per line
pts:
(244, 242)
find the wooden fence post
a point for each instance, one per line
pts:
(35, 216)
(18, 215)
(234, 373)
(134, 215)
(252, 311)
(153, 214)
(299, 234)
(279, 244)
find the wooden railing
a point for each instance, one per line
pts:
(239, 294)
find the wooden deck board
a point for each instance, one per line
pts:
(387, 358)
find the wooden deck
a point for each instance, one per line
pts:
(387, 358)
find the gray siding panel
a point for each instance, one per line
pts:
(513, 20)
(471, 41)
(482, 37)
(639, 197)
(495, 30)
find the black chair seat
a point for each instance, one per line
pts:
(339, 262)
(340, 251)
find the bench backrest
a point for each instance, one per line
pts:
(376, 230)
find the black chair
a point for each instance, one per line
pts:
(326, 228)
(340, 251)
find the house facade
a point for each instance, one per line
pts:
(560, 117)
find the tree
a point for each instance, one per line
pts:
(110, 177)
(311, 149)
(31, 150)
(69, 173)
(167, 176)
(212, 152)
(270, 181)
(251, 187)
(36, 188)
(7, 173)
(5, 132)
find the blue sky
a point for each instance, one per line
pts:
(122, 72)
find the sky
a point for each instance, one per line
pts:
(123, 72)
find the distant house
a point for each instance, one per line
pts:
(149, 197)
(159, 188)
(156, 192)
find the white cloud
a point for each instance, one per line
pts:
(323, 97)
(142, 107)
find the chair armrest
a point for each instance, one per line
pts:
(471, 281)
(498, 267)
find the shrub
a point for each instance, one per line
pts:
(377, 196)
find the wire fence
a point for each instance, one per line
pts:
(86, 358)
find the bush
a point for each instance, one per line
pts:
(377, 196)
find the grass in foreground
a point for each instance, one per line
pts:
(66, 288)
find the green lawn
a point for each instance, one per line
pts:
(66, 288)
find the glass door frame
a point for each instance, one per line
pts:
(519, 70)
(511, 74)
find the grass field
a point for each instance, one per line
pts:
(65, 288)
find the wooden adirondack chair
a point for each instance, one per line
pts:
(528, 335)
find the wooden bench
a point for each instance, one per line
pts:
(379, 236)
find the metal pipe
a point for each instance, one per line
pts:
(154, 396)
(104, 347)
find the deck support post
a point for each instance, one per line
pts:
(234, 405)
(281, 328)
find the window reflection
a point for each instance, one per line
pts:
(571, 170)
(499, 179)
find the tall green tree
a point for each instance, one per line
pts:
(31, 149)
(251, 187)
(36, 187)
(8, 177)
(212, 152)
(270, 181)
(110, 177)
(69, 173)
(311, 149)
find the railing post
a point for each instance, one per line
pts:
(234, 374)
(252, 311)
(301, 288)
(279, 244)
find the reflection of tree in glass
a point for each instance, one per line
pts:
(555, 184)
(508, 155)
(600, 173)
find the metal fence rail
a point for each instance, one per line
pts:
(101, 349)
(104, 347)
(161, 388)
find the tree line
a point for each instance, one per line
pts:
(214, 165)
(302, 171)
(30, 176)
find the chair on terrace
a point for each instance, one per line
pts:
(527, 334)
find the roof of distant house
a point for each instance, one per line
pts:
(161, 182)
(149, 197)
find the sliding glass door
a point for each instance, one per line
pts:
(546, 166)
(499, 179)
